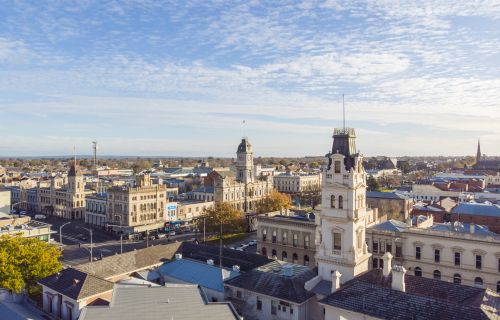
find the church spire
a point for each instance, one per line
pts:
(478, 155)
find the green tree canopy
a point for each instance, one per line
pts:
(274, 201)
(24, 261)
(372, 184)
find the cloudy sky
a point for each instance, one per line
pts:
(178, 78)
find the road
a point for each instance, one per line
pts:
(77, 251)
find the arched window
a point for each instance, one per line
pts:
(332, 201)
(264, 234)
(478, 282)
(437, 275)
(284, 237)
(341, 202)
(375, 263)
(264, 252)
(306, 260)
(284, 256)
(274, 236)
(457, 278)
(418, 272)
(295, 258)
(498, 287)
(274, 254)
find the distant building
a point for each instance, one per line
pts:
(298, 185)
(390, 204)
(244, 190)
(25, 227)
(5, 202)
(95, 210)
(287, 238)
(65, 197)
(484, 164)
(137, 209)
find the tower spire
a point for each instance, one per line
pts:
(478, 155)
(343, 111)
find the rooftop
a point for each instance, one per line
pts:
(196, 272)
(385, 195)
(129, 262)
(76, 284)
(272, 280)
(425, 298)
(185, 302)
(482, 209)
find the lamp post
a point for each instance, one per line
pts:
(121, 232)
(91, 255)
(60, 231)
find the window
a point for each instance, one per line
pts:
(306, 242)
(341, 202)
(457, 278)
(478, 282)
(479, 261)
(264, 251)
(388, 247)
(498, 264)
(382, 246)
(295, 258)
(274, 254)
(264, 234)
(274, 307)
(375, 263)
(332, 201)
(437, 275)
(375, 246)
(337, 241)
(295, 239)
(284, 237)
(437, 255)
(418, 272)
(274, 237)
(284, 256)
(381, 263)
(457, 258)
(259, 304)
(417, 253)
(238, 294)
(498, 286)
(337, 166)
(306, 260)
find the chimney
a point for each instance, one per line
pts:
(178, 256)
(387, 264)
(335, 280)
(75, 282)
(398, 278)
(472, 228)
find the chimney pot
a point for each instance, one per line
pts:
(387, 258)
(398, 278)
(335, 280)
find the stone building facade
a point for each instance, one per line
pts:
(65, 197)
(95, 210)
(242, 190)
(456, 252)
(137, 209)
(287, 238)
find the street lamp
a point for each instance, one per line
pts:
(60, 231)
(90, 231)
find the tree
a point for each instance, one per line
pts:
(24, 261)
(222, 213)
(274, 201)
(314, 164)
(372, 184)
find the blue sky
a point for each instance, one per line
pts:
(179, 77)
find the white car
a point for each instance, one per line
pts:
(171, 233)
(252, 243)
(40, 216)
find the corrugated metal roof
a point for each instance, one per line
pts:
(480, 209)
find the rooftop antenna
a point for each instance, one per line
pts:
(94, 147)
(244, 129)
(343, 110)
(74, 153)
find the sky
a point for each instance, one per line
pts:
(178, 78)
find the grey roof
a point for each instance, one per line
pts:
(159, 303)
(385, 195)
(208, 189)
(391, 225)
(244, 146)
(246, 260)
(479, 209)
(463, 228)
(323, 287)
(371, 294)
(270, 280)
(132, 261)
(75, 284)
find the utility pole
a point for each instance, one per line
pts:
(60, 231)
(121, 232)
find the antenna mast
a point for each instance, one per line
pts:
(94, 147)
(343, 111)
(244, 129)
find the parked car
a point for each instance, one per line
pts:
(239, 249)
(40, 216)
(252, 243)
(160, 236)
(172, 233)
(22, 213)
